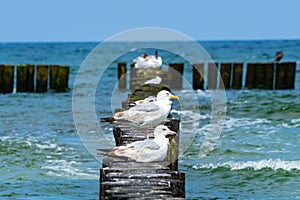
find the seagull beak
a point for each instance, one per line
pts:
(174, 97)
(170, 133)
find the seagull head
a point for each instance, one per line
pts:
(165, 95)
(163, 130)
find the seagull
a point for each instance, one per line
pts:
(146, 100)
(146, 150)
(155, 81)
(144, 61)
(145, 115)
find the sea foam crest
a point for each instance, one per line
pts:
(256, 165)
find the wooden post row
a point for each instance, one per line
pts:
(6, 78)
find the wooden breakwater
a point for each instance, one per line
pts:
(124, 179)
(33, 78)
(236, 75)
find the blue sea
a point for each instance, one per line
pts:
(256, 157)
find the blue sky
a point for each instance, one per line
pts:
(96, 20)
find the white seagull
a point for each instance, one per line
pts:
(145, 150)
(146, 115)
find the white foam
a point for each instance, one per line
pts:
(70, 169)
(256, 165)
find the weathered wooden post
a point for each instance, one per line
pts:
(290, 75)
(259, 76)
(269, 75)
(250, 78)
(122, 75)
(225, 69)
(212, 75)
(59, 78)
(237, 78)
(198, 74)
(133, 76)
(176, 71)
(285, 75)
(25, 78)
(6, 78)
(41, 78)
(173, 148)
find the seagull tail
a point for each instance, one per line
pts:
(107, 119)
(110, 153)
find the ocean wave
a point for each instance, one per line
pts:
(68, 169)
(276, 164)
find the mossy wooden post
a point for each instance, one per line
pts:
(198, 74)
(237, 76)
(173, 148)
(285, 75)
(6, 78)
(225, 69)
(122, 75)
(212, 75)
(59, 78)
(176, 71)
(250, 77)
(25, 78)
(41, 78)
(178, 187)
(133, 75)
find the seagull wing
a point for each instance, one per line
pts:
(144, 144)
(143, 112)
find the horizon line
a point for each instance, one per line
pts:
(98, 41)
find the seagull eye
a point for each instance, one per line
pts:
(164, 129)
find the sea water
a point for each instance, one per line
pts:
(256, 157)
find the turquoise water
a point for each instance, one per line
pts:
(257, 156)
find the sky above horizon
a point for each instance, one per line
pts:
(94, 20)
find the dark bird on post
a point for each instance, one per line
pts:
(278, 56)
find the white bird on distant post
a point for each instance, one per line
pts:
(145, 150)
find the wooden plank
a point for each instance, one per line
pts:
(41, 78)
(237, 79)
(198, 76)
(122, 76)
(225, 69)
(6, 78)
(250, 78)
(212, 76)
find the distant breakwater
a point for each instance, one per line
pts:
(34, 78)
